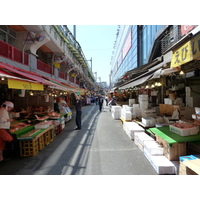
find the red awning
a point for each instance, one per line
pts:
(27, 74)
(7, 75)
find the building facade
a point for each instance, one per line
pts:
(132, 48)
(50, 50)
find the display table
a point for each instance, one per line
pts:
(31, 145)
(174, 144)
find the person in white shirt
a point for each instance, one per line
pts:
(5, 122)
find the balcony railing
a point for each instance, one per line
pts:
(44, 67)
(171, 38)
(10, 52)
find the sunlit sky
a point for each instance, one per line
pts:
(97, 42)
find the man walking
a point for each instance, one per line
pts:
(100, 103)
(78, 107)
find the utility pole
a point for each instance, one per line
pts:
(91, 62)
(74, 28)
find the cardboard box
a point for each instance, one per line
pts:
(184, 132)
(189, 168)
(174, 151)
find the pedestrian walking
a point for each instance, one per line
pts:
(5, 120)
(78, 107)
(106, 101)
(112, 102)
(100, 103)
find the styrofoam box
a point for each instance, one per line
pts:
(168, 101)
(144, 105)
(116, 108)
(41, 126)
(162, 165)
(140, 146)
(127, 115)
(153, 148)
(116, 115)
(132, 127)
(143, 97)
(131, 133)
(141, 137)
(148, 121)
(184, 132)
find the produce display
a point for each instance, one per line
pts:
(183, 125)
(183, 128)
(17, 126)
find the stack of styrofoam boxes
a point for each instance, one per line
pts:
(116, 112)
(192, 100)
(136, 111)
(143, 101)
(130, 128)
(149, 113)
(154, 153)
(139, 138)
(126, 113)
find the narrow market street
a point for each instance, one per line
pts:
(101, 147)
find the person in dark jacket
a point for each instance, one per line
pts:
(78, 107)
(100, 103)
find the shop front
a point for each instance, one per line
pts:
(36, 122)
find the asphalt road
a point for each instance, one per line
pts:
(101, 147)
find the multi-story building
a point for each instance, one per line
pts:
(48, 50)
(132, 49)
(146, 53)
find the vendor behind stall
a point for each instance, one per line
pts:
(5, 125)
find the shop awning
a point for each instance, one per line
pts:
(26, 74)
(113, 89)
(136, 82)
(15, 82)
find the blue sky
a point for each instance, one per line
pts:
(97, 42)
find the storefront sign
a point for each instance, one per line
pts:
(186, 28)
(16, 84)
(187, 52)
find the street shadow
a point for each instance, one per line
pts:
(66, 154)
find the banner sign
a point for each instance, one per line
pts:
(187, 52)
(16, 84)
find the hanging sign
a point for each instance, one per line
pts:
(187, 52)
(16, 84)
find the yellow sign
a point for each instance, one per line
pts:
(16, 84)
(187, 52)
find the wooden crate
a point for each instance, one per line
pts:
(184, 170)
(29, 147)
(174, 151)
(48, 136)
(41, 142)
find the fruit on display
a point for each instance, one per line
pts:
(183, 125)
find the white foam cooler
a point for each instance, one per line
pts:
(162, 165)
(131, 127)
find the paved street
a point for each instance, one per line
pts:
(101, 147)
